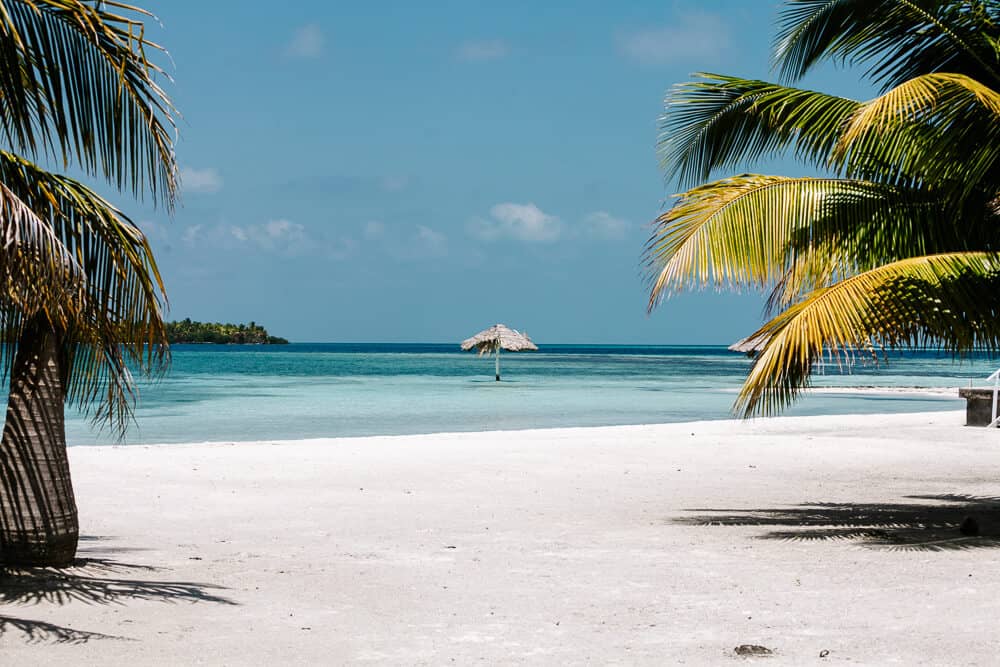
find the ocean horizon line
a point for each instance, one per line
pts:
(457, 343)
(301, 390)
(624, 348)
(451, 346)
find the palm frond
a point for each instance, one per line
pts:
(942, 95)
(940, 129)
(862, 225)
(112, 316)
(37, 270)
(898, 39)
(720, 121)
(75, 81)
(946, 300)
(903, 249)
(793, 234)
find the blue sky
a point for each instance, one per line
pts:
(399, 171)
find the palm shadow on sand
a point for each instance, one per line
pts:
(90, 580)
(932, 525)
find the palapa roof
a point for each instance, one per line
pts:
(750, 344)
(499, 335)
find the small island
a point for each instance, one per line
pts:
(187, 331)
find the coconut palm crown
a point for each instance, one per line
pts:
(897, 244)
(81, 298)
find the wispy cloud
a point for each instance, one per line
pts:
(694, 36)
(521, 222)
(603, 225)
(280, 235)
(482, 51)
(431, 242)
(308, 42)
(394, 183)
(403, 241)
(192, 233)
(205, 180)
(283, 238)
(153, 230)
(373, 230)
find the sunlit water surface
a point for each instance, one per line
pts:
(238, 393)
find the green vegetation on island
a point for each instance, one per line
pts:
(187, 331)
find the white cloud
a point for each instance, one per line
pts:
(405, 242)
(153, 231)
(696, 36)
(522, 222)
(276, 229)
(603, 225)
(205, 180)
(482, 51)
(280, 235)
(192, 233)
(307, 42)
(431, 241)
(374, 230)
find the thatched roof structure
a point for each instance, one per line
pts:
(499, 336)
(750, 345)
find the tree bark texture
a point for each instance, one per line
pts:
(38, 518)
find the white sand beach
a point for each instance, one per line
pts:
(649, 545)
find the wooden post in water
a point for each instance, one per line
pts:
(498, 360)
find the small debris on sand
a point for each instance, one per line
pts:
(752, 650)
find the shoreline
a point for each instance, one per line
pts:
(877, 390)
(943, 392)
(926, 392)
(630, 544)
(727, 425)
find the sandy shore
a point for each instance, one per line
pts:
(624, 545)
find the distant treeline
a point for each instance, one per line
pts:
(187, 331)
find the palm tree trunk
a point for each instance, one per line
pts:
(38, 519)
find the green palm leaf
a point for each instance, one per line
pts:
(939, 129)
(942, 96)
(111, 314)
(932, 300)
(897, 39)
(75, 80)
(80, 294)
(792, 234)
(720, 121)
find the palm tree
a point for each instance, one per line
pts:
(895, 243)
(80, 294)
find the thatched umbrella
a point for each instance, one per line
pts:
(498, 337)
(751, 345)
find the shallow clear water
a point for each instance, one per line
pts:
(234, 393)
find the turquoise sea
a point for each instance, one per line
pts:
(238, 393)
